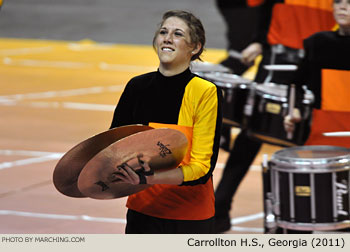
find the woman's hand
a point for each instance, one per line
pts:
(290, 121)
(134, 171)
(250, 53)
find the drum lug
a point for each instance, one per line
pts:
(229, 96)
(248, 107)
(261, 106)
(270, 219)
(284, 109)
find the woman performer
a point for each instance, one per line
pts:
(181, 200)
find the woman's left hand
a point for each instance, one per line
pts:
(135, 171)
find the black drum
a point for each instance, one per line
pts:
(310, 187)
(235, 91)
(266, 114)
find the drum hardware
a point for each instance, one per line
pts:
(290, 52)
(276, 49)
(281, 67)
(310, 188)
(337, 134)
(274, 67)
(249, 106)
(269, 217)
(291, 107)
(290, 55)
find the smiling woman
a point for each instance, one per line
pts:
(174, 46)
(180, 200)
(179, 40)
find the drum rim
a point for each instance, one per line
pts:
(316, 164)
(311, 148)
(313, 226)
(237, 80)
(307, 99)
(259, 89)
(199, 67)
(308, 169)
(228, 85)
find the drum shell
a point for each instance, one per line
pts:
(235, 97)
(235, 91)
(311, 194)
(266, 120)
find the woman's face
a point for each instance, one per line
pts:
(341, 10)
(173, 44)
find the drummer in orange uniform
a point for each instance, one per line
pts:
(284, 25)
(326, 71)
(181, 200)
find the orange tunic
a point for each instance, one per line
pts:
(334, 114)
(295, 20)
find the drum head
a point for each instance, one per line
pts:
(273, 89)
(313, 157)
(206, 67)
(226, 78)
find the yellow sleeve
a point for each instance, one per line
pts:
(200, 110)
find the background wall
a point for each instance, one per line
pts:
(112, 21)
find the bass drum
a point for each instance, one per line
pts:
(310, 187)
